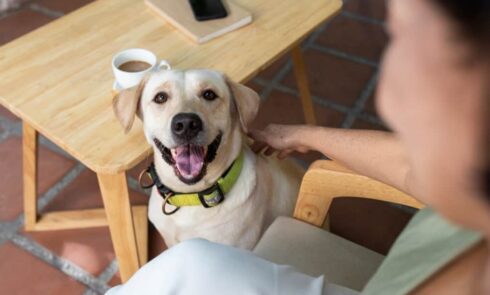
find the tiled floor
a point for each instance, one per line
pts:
(342, 58)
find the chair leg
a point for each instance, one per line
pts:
(115, 195)
(302, 81)
(29, 174)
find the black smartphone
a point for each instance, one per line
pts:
(207, 9)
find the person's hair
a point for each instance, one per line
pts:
(473, 20)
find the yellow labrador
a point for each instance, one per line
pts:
(195, 121)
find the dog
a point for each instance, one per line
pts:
(196, 121)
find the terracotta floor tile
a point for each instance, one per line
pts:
(90, 248)
(283, 108)
(84, 193)
(332, 77)
(22, 273)
(115, 280)
(256, 87)
(370, 8)
(8, 115)
(52, 167)
(372, 224)
(63, 5)
(270, 72)
(20, 23)
(370, 106)
(354, 37)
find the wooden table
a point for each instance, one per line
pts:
(58, 80)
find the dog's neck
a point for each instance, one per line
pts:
(227, 153)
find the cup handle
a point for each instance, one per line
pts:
(164, 65)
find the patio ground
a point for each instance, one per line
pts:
(342, 58)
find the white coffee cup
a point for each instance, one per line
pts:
(129, 79)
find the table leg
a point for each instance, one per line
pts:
(115, 195)
(29, 174)
(140, 217)
(302, 81)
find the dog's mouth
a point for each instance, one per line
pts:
(189, 160)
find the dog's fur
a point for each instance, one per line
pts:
(266, 187)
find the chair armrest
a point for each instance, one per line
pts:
(326, 180)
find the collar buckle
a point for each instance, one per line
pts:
(211, 196)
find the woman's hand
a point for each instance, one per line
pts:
(282, 138)
(376, 154)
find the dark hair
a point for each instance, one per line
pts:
(473, 19)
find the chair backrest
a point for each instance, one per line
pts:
(326, 180)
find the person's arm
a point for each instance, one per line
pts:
(375, 154)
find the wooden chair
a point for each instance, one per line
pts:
(302, 243)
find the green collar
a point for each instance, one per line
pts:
(209, 197)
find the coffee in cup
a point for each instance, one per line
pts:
(134, 66)
(131, 65)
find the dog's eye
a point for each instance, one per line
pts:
(209, 95)
(160, 97)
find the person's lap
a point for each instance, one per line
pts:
(201, 267)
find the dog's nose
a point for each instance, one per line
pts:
(186, 125)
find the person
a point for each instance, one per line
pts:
(434, 92)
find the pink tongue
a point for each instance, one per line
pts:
(190, 160)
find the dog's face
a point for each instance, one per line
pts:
(189, 117)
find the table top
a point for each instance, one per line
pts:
(58, 78)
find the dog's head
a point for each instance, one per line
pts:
(192, 118)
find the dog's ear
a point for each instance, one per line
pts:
(126, 103)
(246, 101)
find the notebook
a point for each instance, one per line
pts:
(179, 14)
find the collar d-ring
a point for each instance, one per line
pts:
(146, 173)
